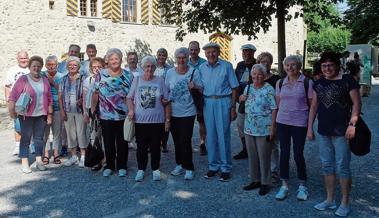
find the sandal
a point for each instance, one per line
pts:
(45, 160)
(57, 160)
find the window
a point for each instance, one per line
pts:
(129, 11)
(83, 7)
(93, 7)
(88, 8)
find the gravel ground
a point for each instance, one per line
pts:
(74, 192)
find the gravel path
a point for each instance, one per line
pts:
(74, 192)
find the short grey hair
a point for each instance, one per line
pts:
(147, 59)
(182, 50)
(73, 58)
(51, 58)
(261, 68)
(294, 58)
(113, 51)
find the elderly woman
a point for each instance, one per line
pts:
(71, 107)
(161, 71)
(266, 59)
(112, 85)
(293, 96)
(259, 128)
(38, 113)
(95, 65)
(180, 80)
(146, 102)
(54, 79)
(337, 102)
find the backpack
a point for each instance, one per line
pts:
(306, 87)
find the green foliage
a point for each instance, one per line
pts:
(326, 34)
(362, 18)
(328, 38)
(246, 17)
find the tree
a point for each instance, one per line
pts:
(246, 17)
(362, 18)
(326, 34)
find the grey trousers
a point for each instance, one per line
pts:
(259, 152)
(55, 127)
(76, 130)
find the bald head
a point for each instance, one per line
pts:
(23, 59)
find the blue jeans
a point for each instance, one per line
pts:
(335, 155)
(32, 126)
(217, 124)
(298, 134)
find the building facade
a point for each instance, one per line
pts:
(44, 27)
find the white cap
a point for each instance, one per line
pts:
(211, 45)
(248, 46)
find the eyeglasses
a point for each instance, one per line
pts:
(327, 65)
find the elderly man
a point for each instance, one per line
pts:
(195, 61)
(220, 93)
(13, 74)
(132, 61)
(91, 52)
(73, 50)
(242, 72)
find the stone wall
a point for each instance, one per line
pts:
(32, 25)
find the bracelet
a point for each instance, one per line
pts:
(352, 124)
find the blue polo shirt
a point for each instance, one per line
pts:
(197, 64)
(218, 79)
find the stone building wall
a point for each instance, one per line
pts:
(33, 26)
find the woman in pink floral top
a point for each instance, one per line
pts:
(38, 114)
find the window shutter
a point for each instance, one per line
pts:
(112, 10)
(156, 13)
(225, 43)
(145, 11)
(72, 7)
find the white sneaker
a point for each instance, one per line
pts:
(282, 193)
(140, 175)
(302, 193)
(71, 161)
(26, 169)
(121, 172)
(16, 150)
(81, 162)
(325, 205)
(177, 171)
(156, 175)
(107, 172)
(188, 175)
(40, 166)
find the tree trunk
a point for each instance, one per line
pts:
(280, 14)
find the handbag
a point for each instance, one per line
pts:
(23, 101)
(197, 96)
(129, 129)
(94, 153)
(360, 144)
(241, 107)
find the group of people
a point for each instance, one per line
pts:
(273, 114)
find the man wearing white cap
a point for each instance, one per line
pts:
(220, 93)
(243, 74)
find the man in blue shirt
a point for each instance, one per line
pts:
(91, 52)
(220, 93)
(195, 61)
(73, 50)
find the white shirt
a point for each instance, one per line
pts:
(136, 72)
(13, 74)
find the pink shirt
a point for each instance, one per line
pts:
(18, 89)
(293, 106)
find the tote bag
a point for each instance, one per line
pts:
(22, 103)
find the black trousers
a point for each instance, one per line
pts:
(116, 148)
(149, 135)
(181, 131)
